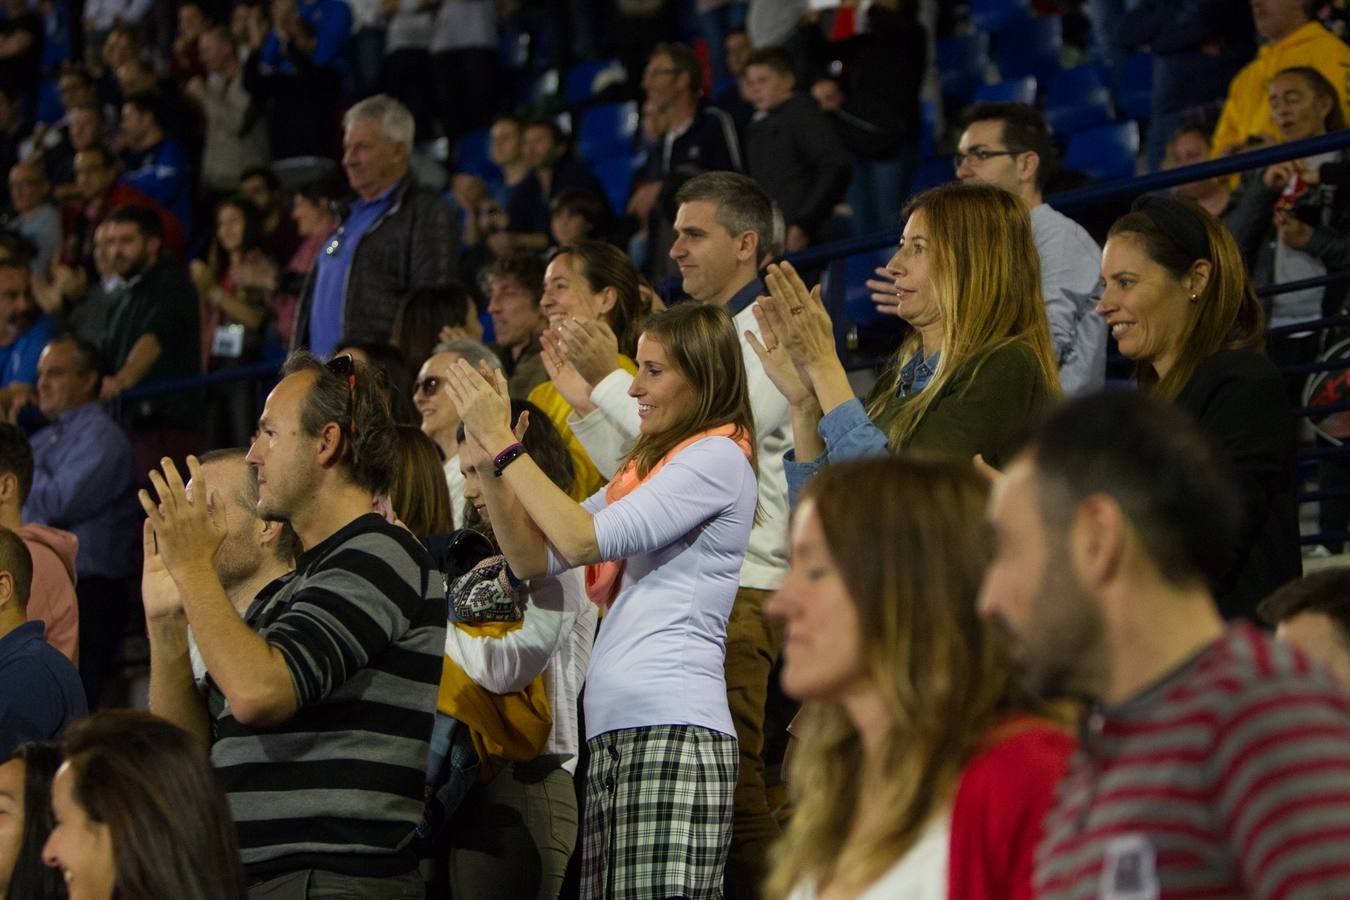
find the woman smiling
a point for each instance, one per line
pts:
(663, 543)
(1178, 302)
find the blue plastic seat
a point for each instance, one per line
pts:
(607, 130)
(1105, 153)
(1078, 98)
(1135, 94)
(961, 60)
(471, 151)
(1015, 90)
(1029, 47)
(928, 128)
(931, 173)
(616, 177)
(991, 15)
(582, 78)
(858, 299)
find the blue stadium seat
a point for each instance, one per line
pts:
(616, 177)
(1015, 90)
(607, 130)
(928, 110)
(1029, 47)
(1135, 97)
(931, 173)
(1078, 98)
(858, 299)
(1104, 153)
(961, 60)
(513, 48)
(991, 15)
(582, 78)
(471, 153)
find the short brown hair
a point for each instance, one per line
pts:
(682, 60)
(527, 269)
(776, 58)
(18, 562)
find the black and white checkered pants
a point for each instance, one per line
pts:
(658, 813)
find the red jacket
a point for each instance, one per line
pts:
(79, 221)
(999, 809)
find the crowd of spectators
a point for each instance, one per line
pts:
(495, 526)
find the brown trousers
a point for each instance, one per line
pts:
(753, 645)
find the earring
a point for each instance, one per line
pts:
(1194, 297)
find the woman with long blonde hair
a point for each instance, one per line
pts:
(921, 770)
(977, 363)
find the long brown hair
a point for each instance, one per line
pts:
(418, 492)
(152, 785)
(1224, 316)
(987, 281)
(912, 566)
(702, 343)
(605, 266)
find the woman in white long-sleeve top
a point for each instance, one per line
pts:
(663, 543)
(515, 834)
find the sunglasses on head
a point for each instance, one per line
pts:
(345, 367)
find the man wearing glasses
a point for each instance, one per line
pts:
(319, 700)
(1007, 145)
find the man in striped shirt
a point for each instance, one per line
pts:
(320, 699)
(1214, 761)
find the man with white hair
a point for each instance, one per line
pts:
(395, 237)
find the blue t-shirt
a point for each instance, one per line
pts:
(40, 691)
(164, 173)
(330, 273)
(20, 359)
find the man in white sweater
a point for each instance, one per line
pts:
(1007, 145)
(722, 229)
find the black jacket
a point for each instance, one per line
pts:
(1238, 399)
(414, 244)
(797, 158)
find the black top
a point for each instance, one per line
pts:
(1238, 398)
(797, 158)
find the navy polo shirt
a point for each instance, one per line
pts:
(40, 691)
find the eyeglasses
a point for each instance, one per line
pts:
(345, 367)
(981, 155)
(427, 386)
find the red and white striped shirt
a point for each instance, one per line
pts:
(1230, 777)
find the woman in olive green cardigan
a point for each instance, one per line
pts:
(977, 364)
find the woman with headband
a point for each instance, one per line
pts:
(1179, 303)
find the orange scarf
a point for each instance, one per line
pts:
(602, 579)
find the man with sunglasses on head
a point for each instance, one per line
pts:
(319, 701)
(1008, 145)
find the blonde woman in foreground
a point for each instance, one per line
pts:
(921, 770)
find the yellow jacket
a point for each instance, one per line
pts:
(587, 478)
(1246, 112)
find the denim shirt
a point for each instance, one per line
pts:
(916, 374)
(849, 433)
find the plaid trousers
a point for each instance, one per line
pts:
(658, 813)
